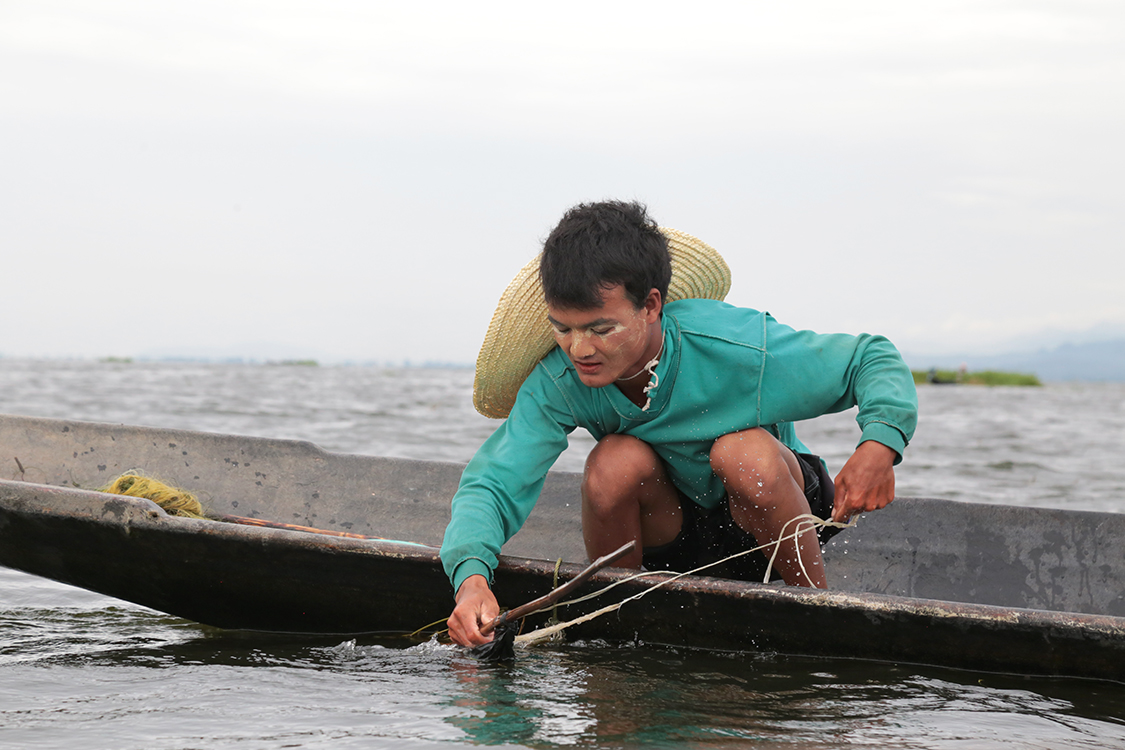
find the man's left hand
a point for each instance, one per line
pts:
(866, 483)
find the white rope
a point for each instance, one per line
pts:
(804, 521)
(647, 368)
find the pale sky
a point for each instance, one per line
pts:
(360, 180)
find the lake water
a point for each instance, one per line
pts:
(80, 670)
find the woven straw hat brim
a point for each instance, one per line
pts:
(520, 335)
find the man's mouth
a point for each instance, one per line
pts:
(588, 368)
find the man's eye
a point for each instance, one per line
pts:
(602, 331)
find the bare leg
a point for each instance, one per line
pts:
(626, 495)
(766, 489)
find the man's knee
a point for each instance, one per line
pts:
(753, 458)
(618, 462)
(753, 450)
(620, 469)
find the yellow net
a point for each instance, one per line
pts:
(174, 501)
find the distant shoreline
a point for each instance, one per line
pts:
(982, 377)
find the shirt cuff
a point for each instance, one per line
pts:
(890, 436)
(473, 566)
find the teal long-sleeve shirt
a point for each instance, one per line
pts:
(724, 369)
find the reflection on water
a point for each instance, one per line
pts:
(77, 665)
(588, 694)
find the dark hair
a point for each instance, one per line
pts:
(598, 245)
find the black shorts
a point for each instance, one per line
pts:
(710, 535)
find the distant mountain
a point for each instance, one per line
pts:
(1092, 361)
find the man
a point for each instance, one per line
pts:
(691, 401)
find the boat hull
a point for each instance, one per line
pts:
(247, 577)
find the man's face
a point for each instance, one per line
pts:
(608, 342)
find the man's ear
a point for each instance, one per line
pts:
(654, 303)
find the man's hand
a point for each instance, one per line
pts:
(867, 481)
(476, 605)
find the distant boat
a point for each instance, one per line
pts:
(934, 378)
(985, 587)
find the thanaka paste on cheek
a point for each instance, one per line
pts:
(580, 339)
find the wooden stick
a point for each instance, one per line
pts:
(246, 521)
(550, 599)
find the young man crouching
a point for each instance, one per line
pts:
(691, 401)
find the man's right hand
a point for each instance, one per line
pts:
(476, 605)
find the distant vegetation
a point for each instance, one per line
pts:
(984, 377)
(299, 362)
(1092, 361)
(116, 360)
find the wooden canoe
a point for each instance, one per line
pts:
(984, 587)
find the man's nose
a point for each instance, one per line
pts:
(581, 346)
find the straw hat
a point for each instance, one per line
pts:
(519, 334)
